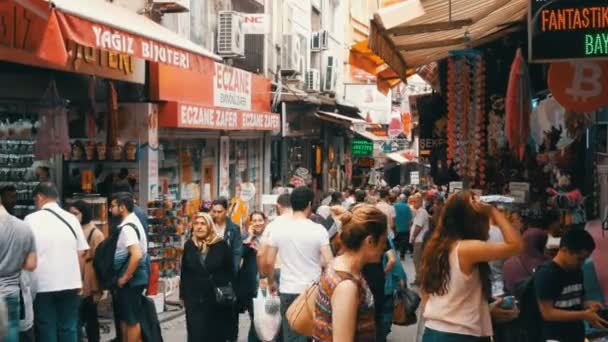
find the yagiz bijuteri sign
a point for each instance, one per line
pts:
(568, 29)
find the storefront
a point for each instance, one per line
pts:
(214, 133)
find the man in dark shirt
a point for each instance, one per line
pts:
(560, 291)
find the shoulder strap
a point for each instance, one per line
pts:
(134, 228)
(62, 220)
(91, 235)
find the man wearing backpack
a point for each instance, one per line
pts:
(560, 291)
(131, 263)
(60, 245)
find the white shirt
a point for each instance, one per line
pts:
(496, 275)
(277, 223)
(57, 249)
(220, 231)
(421, 219)
(128, 236)
(299, 243)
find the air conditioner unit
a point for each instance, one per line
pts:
(230, 36)
(320, 40)
(171, 6)
(315, 41)
(331, 73)
(292, 53)
(324, 39)
(313, 81)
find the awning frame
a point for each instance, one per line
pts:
(447, 32)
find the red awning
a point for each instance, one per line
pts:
(41, 27)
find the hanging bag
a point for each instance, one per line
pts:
(405, 304)
(267, 322)
(300, 314)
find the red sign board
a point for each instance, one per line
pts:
(182, 115)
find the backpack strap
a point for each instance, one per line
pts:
(62, 220)
(134, 228)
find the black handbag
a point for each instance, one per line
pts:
(224, 295)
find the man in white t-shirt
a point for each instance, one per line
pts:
(303, 247)
(285, 212)
(60, 246)
(420, 226)
(132, 263)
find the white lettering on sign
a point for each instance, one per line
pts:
(150, 50)
(159, 53)
(261, 121)
(113, 41)
(232, 87)
(202, 117)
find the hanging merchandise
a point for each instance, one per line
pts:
(52, 137)
(90, 116)
(466, 115)
(496, 126)
(518, 106)
(112, 138)
(547, 126)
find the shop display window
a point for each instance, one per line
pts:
(245, 171)
(19, 168)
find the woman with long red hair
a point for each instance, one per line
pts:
(455, 281)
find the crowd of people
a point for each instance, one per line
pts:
(483, 273)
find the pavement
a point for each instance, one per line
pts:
(173, 322)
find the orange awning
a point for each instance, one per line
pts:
(41, 27)
(362, 57)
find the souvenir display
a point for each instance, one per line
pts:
(466, 116)
(117, 152)
(131, 151)
(168, 224)
(53, 137)
(77, 151)
(102, 151)
(89, 150)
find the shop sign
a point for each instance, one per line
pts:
(219, 86)
(370, 101)
(414, 177)
(581, 26)
(362, 147)
(366, 162)
(181, 115)
(395, 145)
(232, 87)
(256, 23)
(455, 187)
(580, 86)
(83, 60)
(43, 35)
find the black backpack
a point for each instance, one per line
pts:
(103, 261)
(530, 318)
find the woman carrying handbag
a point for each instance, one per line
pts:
(206, 283)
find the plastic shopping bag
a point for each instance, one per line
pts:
(266, 316)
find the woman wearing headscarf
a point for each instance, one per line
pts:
(518, 268)
(206, 265)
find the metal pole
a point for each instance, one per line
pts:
(450, 11)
